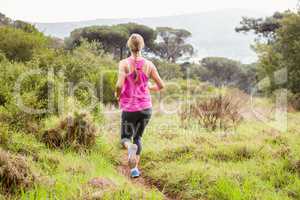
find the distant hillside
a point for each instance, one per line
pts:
(212, 32)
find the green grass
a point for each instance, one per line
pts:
(64, 174)
(256, 162)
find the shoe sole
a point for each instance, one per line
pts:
(135, 176)
(132, 156)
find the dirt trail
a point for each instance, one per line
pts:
(141, 181)
(113, 118)
(124, 170)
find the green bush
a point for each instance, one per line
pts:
(19, 118)
(2, 57)
(106, 87)
(19, 45)
(81, 71)
(4, 135)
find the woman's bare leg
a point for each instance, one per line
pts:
(137, 160)
(132, 157)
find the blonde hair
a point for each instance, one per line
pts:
(135, 43)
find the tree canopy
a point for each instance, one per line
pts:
(263, 27)
(27, 27)
(113, 38)
(226, 72)
(166, 43)
(172, 43)
(282, 31)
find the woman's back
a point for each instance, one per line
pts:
(135, 94)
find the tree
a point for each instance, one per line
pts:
(113, 38)
(262, 27)
(193, 71)
(27, 27)
(168, 70)
(221, 71)
(282, 50)
(226, 72)
(172, 43)
(288, 47)
(148, 34)
(4, 21)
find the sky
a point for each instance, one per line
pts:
(76, 10)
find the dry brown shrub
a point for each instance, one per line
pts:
(293, 166)
(296, 166)
(15, 173)
(216, 112)
(80, 130)
(53, 138)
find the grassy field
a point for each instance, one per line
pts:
(255, 162)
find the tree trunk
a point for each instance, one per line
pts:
(121, 53)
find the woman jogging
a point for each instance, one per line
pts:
(133, 91)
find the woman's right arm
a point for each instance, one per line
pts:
(159, 84)
(121, 79)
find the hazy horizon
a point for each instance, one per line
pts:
(260, 14)
(56, 11)
(213, 32)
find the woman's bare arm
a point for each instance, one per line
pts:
(159, 84)
(121, 79)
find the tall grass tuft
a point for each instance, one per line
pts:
(75, 131)
(15, 173)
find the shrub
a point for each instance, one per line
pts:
(9, 73)
(15, 173)
(19, 45)
(294, 101)
(97, 113)
(182, 90)
(106, 87)
(17, 117)
(53, 138)
(216, 112)
(79, 130)
(4, 135)
(3, 99)
(2, 56)
(75, 131)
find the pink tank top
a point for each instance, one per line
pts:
(135, 94)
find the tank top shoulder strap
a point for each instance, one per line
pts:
(135, 64)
